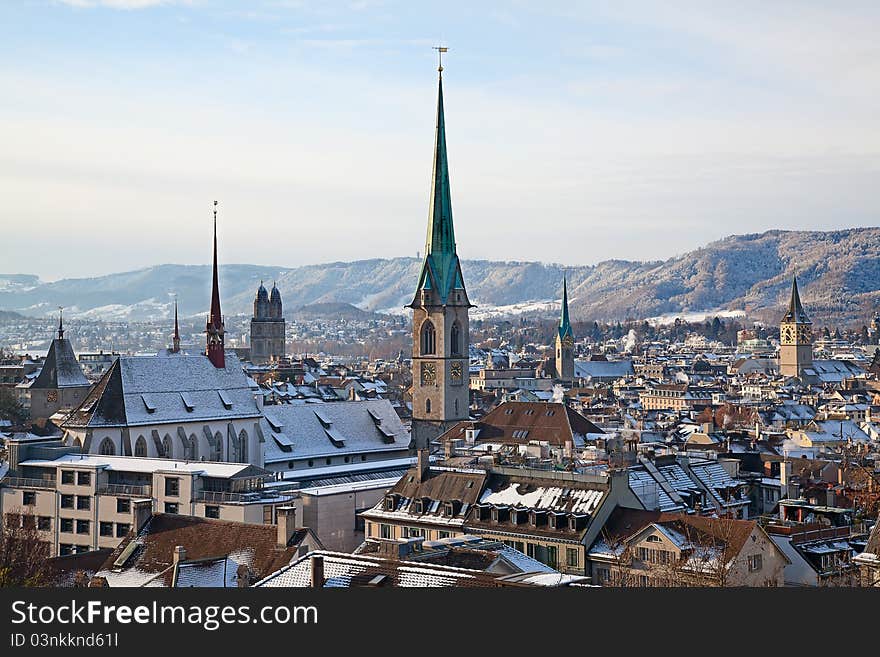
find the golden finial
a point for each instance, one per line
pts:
(440, 50)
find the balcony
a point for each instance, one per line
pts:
(126, 490)
(25, 482)
(250, 497)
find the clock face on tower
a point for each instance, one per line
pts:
(804, 334)
(787, 334)
(568, 341)
(429, 374)
(455, 370)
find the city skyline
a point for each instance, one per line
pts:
(658, 133)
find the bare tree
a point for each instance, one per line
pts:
(23, 554)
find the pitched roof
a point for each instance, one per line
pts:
(61, 368)
(623, 524)
(151, 561)
(141, 390)
(332, 428)
(521, 422)
(351, 570)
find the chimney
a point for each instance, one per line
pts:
(317, 571)
(422, 464)
(179, 554)
(784, 478)
(449, 449)
(286, 524)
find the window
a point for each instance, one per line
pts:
(571, 557)
(653, 538)
(212, 512)
(44, 523)
(105, 529)
(442, 534)
(755, 563)
(172, 486)
(427, 406)
(67, 476)
(79, 549)
(429, 338)
(83, 502)
(171, 507)
(83, 526)
(67, 501)
(267, 514)
(140, 447)
(385, 531)
(123, 505)
(107, 447)
(122, 529)
(28, 497)
(347, 459)
(311, 463)
(363, 457)
(83, 478)
(64, 549)
(455, 339)
(66, 525)
(328, 461)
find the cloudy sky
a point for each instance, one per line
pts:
(577, 132)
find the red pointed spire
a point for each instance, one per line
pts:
(215, 349)
(176, 344)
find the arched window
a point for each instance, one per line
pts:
(217, 447)
(455, 339)
(427, 406)
(429, 338)
(140, 446)
(167, 447)
(242, 447)
(192, 452)
(107, 447)
(456, 407)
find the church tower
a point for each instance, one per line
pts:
(564, 341)
(440, 354)
(267, 326)
(795, 337)
(214, 330)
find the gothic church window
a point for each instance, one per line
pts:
(429, 338)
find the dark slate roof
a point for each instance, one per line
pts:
(61, 369)
(796, 312)
(170, 387)
(332, 428)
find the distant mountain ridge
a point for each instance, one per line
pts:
(839, 274)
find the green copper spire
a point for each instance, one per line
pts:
(564, 323)
(441, 270)
(441, 236)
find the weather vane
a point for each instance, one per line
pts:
(440, 50)
(215, 210)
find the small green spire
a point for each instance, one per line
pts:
(564, 323)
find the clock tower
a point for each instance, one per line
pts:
(440, 354)
(795, 337)
(564, 341)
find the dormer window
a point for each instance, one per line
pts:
(449, 509)
(390, 503)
